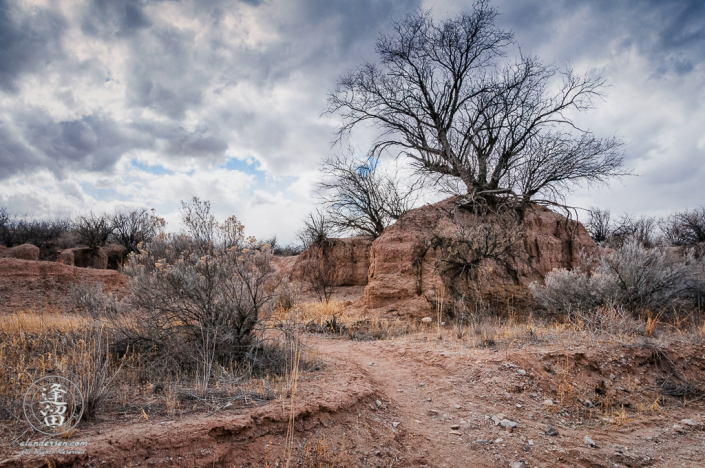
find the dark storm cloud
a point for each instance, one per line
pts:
(254, 86)
(91, 143)
(671, 34)
(28, 42)
(121, 18)
(15, 156)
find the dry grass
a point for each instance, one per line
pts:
(33, 345)
(317, 312)
(322, 455)
(332, 317)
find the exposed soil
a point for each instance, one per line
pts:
(414, 401)
(397, 403)
(27, 285)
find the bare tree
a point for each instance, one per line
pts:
(94, 230)
(598, 224)
(317, 230)
(442, 97)
(685, 228)
(318, 271)
(360, 197)
(642, 230)
(136, 227)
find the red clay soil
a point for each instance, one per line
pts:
(26, 284)
(424, 402)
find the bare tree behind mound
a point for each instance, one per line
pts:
(360, 197)
(135, 227)
(442, 96)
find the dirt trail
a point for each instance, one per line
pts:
(424, 396)
(417, 402)
(443, 399)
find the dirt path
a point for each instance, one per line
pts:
(419, 402)
(428, 399)
(442, 401)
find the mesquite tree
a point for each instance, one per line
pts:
(442, 95)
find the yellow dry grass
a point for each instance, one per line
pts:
(317, 312)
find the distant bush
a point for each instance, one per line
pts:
(685, 228)
(49, 235)
(94, 230)
(135, 227)
(210, 305)
(573, 289)
(643, 230)
(632, 276)
(614, 233)
(598, 224)
(282, 250)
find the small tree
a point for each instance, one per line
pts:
(641, 230)
(94, 230)
(318, 271)
(317, 230)
(360, 197)
(136, 227)
(598, 224)
(685, 228)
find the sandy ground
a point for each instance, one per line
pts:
(420, 402)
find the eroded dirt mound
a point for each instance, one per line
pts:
(111, 256)
(349, 257)
(22, 252)
(30, 285)
(404, 278)
(330, 400)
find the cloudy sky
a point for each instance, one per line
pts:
(114, 104)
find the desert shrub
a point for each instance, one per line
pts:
(135, 227)
(288, 250)
(685, 228)
(463, 251)
(205, 309)
(483, 238)
(203, 229)
(633, 277)
(93, 230)
(643, 230)
(197, 302)
(318, 272)
(574, 289)
(650, 278)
